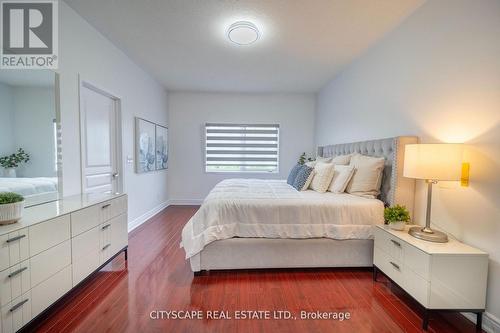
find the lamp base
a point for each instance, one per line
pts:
(428, 234)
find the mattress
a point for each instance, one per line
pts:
(29, 186)
(257, 208)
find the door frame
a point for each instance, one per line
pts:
(83, 83)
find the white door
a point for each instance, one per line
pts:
(99, 140)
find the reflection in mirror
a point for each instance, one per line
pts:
(28, 135)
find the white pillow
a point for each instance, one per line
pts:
(323, 174)
(320, 159)
(342, 159)
(367, 176)
(341, 177)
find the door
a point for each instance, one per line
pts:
(100, 140)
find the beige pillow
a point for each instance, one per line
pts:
(367, 176)
(323, 174)
(341, 159)
(341, 177)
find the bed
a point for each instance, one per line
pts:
(35, 190)
(253, 223)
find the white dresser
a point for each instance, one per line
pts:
(440, 276)
(53, 248)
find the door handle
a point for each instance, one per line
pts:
(116, 175)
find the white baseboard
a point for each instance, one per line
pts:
(189, 202)
(491, 324)
(146, 216)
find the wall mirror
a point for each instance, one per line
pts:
(30, 135)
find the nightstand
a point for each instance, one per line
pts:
(440, 276)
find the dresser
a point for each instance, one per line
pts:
(53, 248)
(440, 276)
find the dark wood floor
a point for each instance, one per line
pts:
(158, 278)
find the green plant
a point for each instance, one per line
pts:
(14, 160)
(396, 214)
(303, 158)
(10, 197)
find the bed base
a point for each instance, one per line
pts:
(254, 253)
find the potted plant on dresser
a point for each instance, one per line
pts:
(11, 207)
(12, 161)
(396, 217)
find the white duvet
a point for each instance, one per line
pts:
(28, 186)
(274, 209)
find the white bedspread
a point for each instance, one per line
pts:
(274, 209)
(28, 186)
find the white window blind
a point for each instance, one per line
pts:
(241, 147)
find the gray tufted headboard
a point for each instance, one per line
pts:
(395, 188)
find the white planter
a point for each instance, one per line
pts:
(9, 172)
(400, 225)
(11, 213)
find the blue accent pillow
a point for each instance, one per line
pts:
(293, 174)
(302, 176)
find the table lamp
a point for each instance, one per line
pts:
(432, 162)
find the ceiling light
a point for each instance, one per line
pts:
(243, 33)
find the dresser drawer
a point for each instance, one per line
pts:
(48, 234)
(392, 268)
(119, 233)
(85, 219)
(16, 314)
(416, 286)
(85, 250)
(14, 282)
(50, 290)
(14, 248)
(114, 208)
(49, 262)
(417, 260)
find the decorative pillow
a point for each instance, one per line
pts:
(367, 176)
(341, 177)
(342, 159)
(293, 174)
(303, 178)
(322, 177)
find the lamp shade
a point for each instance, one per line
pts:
(442, 161)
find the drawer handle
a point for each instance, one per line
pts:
(396, 266)
(18, 305)
(106, 227)
(398, 244)
(13, 239)
(106, 206)
(106, 246)
(11, 275)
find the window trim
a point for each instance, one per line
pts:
(204, 133)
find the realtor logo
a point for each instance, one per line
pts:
(29, 34)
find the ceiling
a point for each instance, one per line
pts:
(304, 43)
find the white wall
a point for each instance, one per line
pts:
(437, 76)
(189, 112)
(7, 117)
(85, 51)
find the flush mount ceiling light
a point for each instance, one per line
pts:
(243, 33)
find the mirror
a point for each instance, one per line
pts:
(29, 135)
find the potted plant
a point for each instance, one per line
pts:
(396, 216)
(11, 162)
(303, 158)
(11, 207)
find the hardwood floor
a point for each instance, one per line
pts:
(158, 278)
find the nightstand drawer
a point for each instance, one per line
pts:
(416, 286)
(390, 245)
(14, 282)
(14, 247)
(392, 268)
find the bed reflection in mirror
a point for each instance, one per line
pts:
(29, 134)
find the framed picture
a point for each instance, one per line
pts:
(161, 147)
(145, 136)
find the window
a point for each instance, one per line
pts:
(241, 148)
